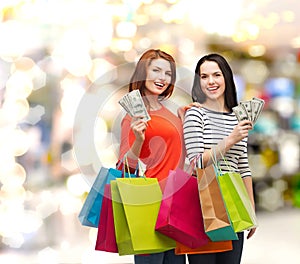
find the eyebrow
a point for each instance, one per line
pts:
(161, 68)
(203, 73)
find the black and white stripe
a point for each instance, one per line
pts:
(204, 128)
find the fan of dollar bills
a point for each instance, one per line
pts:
(249, 110)
(134, 105)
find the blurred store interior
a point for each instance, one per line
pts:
(65, 63)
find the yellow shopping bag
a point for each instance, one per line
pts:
(136, 202)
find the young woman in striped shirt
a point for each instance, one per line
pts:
(214, 129)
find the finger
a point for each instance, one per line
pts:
(138, 121)
(185, 108)
(140, 127)
(244, 123)
(246, 126)
(251, 233)
(137, 118)
(197, 104)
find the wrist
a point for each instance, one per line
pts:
(228, 142)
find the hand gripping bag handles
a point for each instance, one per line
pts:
(136, 203)
(180, 214)
(237, 200)
(217, 224)
(90, 211)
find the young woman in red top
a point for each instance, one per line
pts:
(158, 143)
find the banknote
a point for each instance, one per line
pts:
(123, 102)
(240, 112)
(248, 106)
(257, 105)
(249, 110)
(134, 105)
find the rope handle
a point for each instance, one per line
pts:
(216, 163)
(195, 163)
(126, 168)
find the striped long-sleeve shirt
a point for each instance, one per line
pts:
(204, 128)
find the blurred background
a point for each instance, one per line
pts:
(64, 65)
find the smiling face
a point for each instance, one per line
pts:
(212, 82)
(158, 78)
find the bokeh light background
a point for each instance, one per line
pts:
(63, 66)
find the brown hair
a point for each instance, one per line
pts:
(138, 79)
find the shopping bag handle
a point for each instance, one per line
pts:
(140, 169)
(195, 163)
(139, 172)
(216, 163)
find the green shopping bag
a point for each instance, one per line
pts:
(136, 203)
(237, 200)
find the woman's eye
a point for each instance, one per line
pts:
(169, 74)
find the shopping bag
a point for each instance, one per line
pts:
(210, 247)
(106, 239)
(180, 214)
(122, 233)
(237, 201)
(217, 224)
(136, 204)
(90, 212)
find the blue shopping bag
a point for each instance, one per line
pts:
(90, 212)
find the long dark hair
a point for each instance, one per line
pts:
(138, 79)
(230, 89)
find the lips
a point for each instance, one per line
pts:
(159, 84)
(211, 89)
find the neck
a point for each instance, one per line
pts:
(216, 106)
(152, 102)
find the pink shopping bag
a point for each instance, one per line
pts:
(180, 214)
(106, 239)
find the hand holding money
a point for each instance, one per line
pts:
(134, 105)
(249, 110)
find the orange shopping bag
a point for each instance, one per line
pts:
(210, 247)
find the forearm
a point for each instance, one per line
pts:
(127, 150)
(217, 152)
(135, 150)
(249, 187)
(248, 184)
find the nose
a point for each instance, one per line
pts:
(162, 76)
(211, 79)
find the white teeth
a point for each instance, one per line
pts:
(159, 84)
(212, 88)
